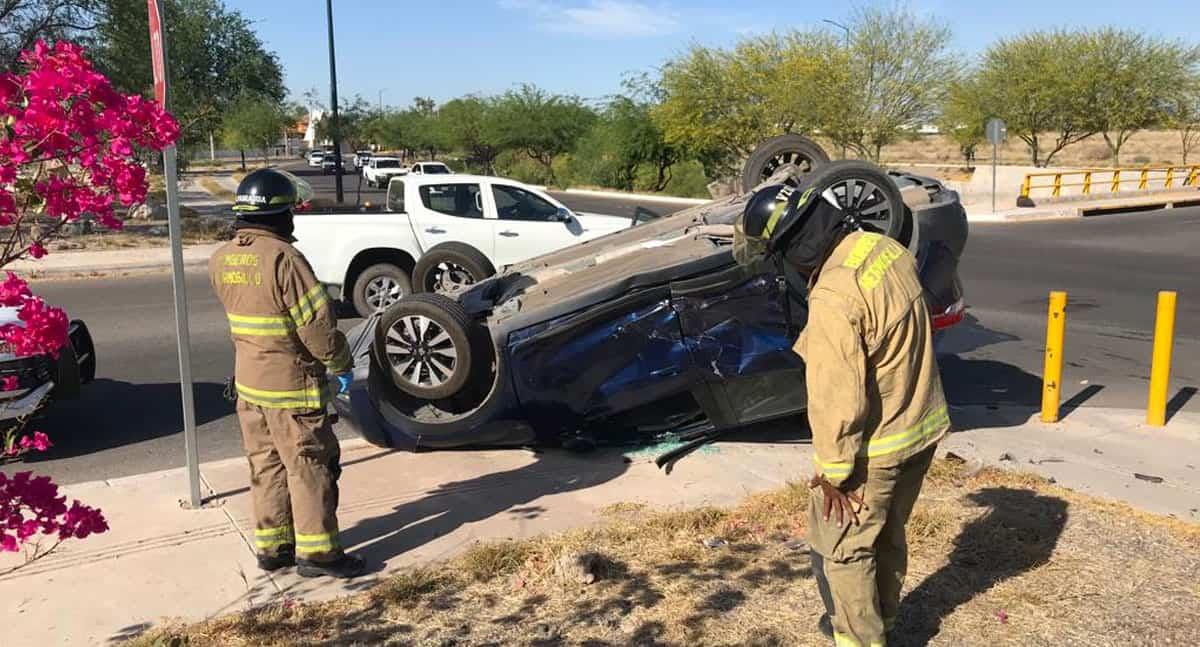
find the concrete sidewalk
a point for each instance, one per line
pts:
(83, 263)
(398, 509)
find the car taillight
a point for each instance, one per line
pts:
(950, 316)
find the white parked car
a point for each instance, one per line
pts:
(315, 158)
(430, 168)
(361, 158)
(381, 169)
(438, 233)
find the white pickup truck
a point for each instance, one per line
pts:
(379, 170)
(438, 232)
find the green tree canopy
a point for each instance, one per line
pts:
(24, 22)
(964, 117)
(254, 123)
(541, 124)
(470, 124)
(215, 59)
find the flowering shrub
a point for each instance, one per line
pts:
(68, 145)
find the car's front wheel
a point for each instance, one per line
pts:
(379, 287)
(430, 346)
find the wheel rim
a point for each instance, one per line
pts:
(800, 160)
(864, 200)
(421, 352)
(447, 277)
(382, 292)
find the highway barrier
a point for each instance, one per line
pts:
(1056, 323)
(1160, 366)
(1108, 182)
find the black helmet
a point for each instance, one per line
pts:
(265, 192)
(794, 222)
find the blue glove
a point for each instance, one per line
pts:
(344, 381)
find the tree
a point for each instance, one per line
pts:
(215, 59)
(67, 149)
(469, 124)
(254, 123)
(354, 116)
(1184, 116)
(24, 22)
(542, 125)
(899, 68)
(964, 117)
(1134, 78)
(622, 141)
(1034, 82)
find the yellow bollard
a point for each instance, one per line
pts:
(1160, 366)
(1056, 323)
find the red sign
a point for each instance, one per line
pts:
(157, 53)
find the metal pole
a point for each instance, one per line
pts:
(182, 335)
(334, 126)
(1056, 324)
(1160, 365)
(993, 177)
(381, 99)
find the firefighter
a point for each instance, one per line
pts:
(875, 401)
(285, 339)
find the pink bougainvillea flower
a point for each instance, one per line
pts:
(36, 250)
(9, 383)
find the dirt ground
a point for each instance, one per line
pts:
(1155, 148)
(998, 558)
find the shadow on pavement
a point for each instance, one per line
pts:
(112, 413)
(1179, 401)
(1018, 534)
(450, 506)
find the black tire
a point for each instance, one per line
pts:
(376, 288)
(448, 265)
(67, 379)
(85, 351)
(784, 149)
(430, 346)
(877, 200)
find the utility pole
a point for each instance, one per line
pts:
(335, 129)
(381, 99)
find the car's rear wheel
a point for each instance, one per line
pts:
(449, 267)
(430, 346)
(776, 152)
(379, 287)
(864, 191)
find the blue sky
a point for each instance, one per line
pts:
(447, 48)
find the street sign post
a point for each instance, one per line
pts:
(996, 132)
(158, 56)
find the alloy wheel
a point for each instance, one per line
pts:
(421, 352)
(448, 277)
(383, 292)
(863, 199)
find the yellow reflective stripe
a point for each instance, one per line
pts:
(281, 531)
(320, 543)
(312, 398)
(875, 271)
(306, 308)
(257, 319)
(264, 544)
(260, 332)
(862, 248)
(929, 425)
(774, 219)
(835, 469)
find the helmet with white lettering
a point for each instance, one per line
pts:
(265, 192)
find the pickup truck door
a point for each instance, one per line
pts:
(450, 211)
(528, 225)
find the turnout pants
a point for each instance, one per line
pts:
(860, 569)
(295, 462)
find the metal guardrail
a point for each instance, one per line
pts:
(1112, 181)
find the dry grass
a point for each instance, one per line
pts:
(216, 189)
(997, 559)
(1156, 148)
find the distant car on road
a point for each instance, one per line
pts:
(361, 158)
(430, 168)
(315, 158)
(438, 232)
(381, 169)
(329, 164)
(41, 378)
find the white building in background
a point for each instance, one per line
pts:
(310, 134)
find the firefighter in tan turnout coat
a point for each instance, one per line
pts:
(875, 400)
(285, 340)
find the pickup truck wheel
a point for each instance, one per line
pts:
(430, 345)
(379, 287)
(450, 266)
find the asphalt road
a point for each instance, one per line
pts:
(128, 421)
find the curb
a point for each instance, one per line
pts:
(637, 196)
(85, 270)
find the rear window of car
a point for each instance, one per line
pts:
(436, 169)
(459, 200)
(387, 163)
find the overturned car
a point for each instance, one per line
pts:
(643, 332)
